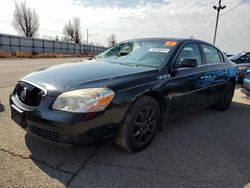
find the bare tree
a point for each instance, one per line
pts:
(72, 31)
(25, 20)
(112, 40)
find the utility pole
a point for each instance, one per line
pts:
(219, 8)
(90, 35)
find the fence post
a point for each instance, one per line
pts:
(19, 44)
(75, 48)
(61, 48)
(33, 46)
(10, 44)
(43, 45)
(53, 42)
(1, 45)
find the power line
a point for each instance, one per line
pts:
(198, 30)
(218, 9)
(205, 29)
(200, 33)
(233, 8)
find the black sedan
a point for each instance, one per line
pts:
(242, 61)
(125, 93)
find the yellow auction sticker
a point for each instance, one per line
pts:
(170, 43)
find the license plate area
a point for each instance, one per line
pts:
(17, 115)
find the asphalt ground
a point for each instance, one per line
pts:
(205, 148)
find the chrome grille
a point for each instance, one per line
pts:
(29, 94)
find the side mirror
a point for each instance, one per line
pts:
(187, 63)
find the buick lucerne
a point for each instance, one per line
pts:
(123, 94)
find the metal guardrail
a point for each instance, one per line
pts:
(12, 44)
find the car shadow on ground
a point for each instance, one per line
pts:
(200, 148)
(58, 162)
(2, 109)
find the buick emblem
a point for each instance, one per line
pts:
(24, 93)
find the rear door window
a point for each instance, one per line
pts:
(211, 54)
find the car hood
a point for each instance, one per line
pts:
(70, 76)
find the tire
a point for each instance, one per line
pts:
(140, 125)
(226, 99)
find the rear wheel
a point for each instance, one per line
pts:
(140, 125)
(226, 99)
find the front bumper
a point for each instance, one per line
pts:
(69, 128)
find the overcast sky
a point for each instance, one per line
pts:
(141, 18)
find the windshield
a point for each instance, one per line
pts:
(237, 56)
(152, 53)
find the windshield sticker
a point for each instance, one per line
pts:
(170, 43)
(161, 50)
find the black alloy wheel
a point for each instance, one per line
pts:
(226, 99)
(144, 125)
(140, 125)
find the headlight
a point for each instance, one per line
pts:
(84, 100)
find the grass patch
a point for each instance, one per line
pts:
(4, 54)
(18, 54)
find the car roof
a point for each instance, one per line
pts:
(169, 39)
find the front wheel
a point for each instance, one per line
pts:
(140, 125)
(226, 99)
